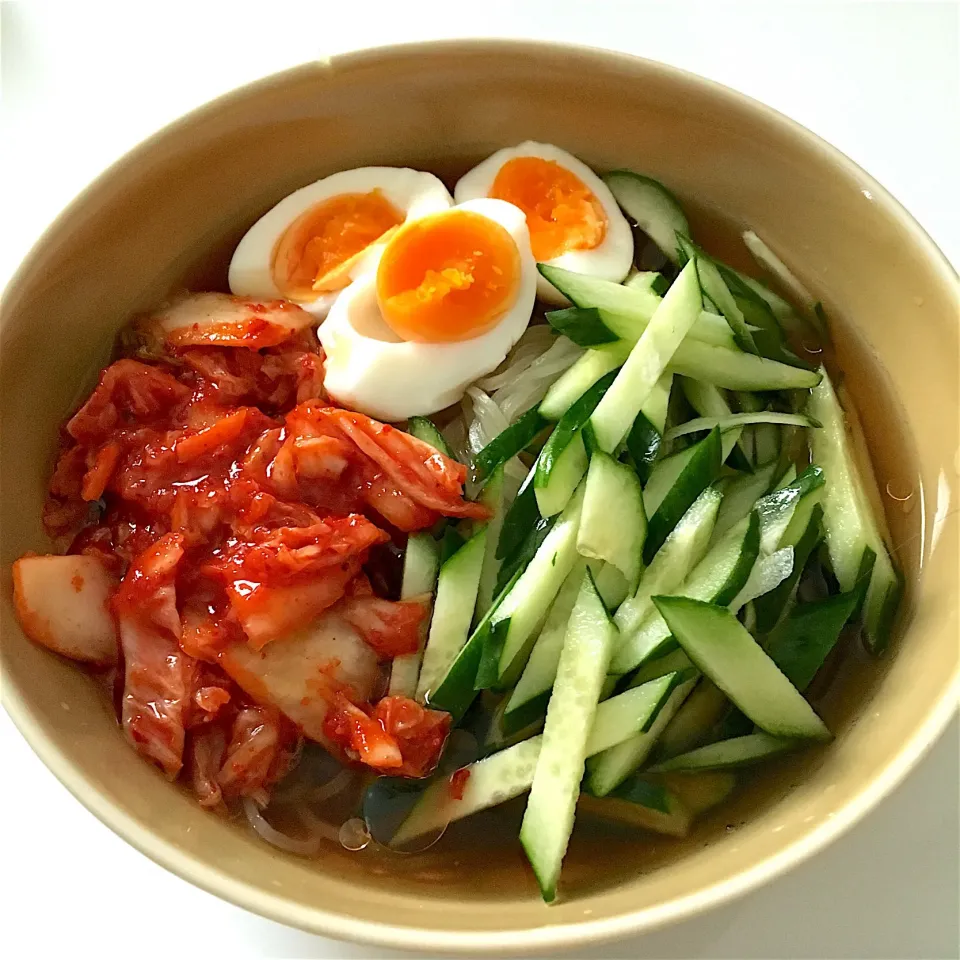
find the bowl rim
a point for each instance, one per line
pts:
(321, 922)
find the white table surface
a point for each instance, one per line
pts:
(83, 82)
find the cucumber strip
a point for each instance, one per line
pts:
(613, 524)
(655, 407)
(522, 518)
(802, 641)
(635, 710)
(541, 668)
(778, 509)
(611, 584)
(770, 607)
(726, 754)
(563, 460)
(492, 498)
(506, 445)
(767, 573)
(648, 280)
(722, 649)
(736, 370)
(453, 610)
(583, 325)
(674, 317)
(554, 489)
(740, 495)
(734, 420)
(705, 706)
(654, 209)
(576, 380)
(662, 478)
(770, 262)
(506, 731)
(421, 560)
(699, 792)
(789, 475)
(607, 770)
(509, 773)
(676, 661)
(708, 401)
(457, 690)
(551, 806)
(713, 286)
(641, 804)
(528, 601)
(718, 578)
(702, 467)
(851, 528)
(681, 552)
(643, 445)
(425, 430)
(779, 307)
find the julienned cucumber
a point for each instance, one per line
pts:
(722, 649)
(420, 563)
(648, 280)
(609, 769)
(734, 420)
(706, 704)
(640, 803)
(613, 524)
(509, 773)
(527, 602)
(740, 495)
(452, 611)
(655, 210)
(425, 430)
(551, 807)
(676, 314)
(681, 552)
(737, 752)
(718, 578)
(583, 325)
(563, 460)
(713, 286)
(502, 447)
(709, 401)
(701, 468)
(574, 382)
(851, 529)
(541, 669)
(735, 370)
(492, 499)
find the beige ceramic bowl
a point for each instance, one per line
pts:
(168, 214)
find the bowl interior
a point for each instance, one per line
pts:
(167, 217)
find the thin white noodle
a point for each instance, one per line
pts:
(337, 785)
(522, 393)
(305, 848)
(531, 345)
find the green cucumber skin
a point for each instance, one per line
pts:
(643, 445)
(426, 430)
(711, 636)
(730, 754)
(803, 640)
(583, 325)
(517, 437)
(701, 470)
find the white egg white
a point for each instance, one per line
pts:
(413, 192)
(611, 259)
(370, 369)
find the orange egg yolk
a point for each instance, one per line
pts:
(318, 249)
(562, 212)
(447, 277)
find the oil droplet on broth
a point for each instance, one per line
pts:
(354, 834)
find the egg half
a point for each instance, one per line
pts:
(314, 242)
(573, 219)
(451, 294)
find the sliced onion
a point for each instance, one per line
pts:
(535, 341)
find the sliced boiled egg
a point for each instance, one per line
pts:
(573, 219)
(312, 243)
(451, 294)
